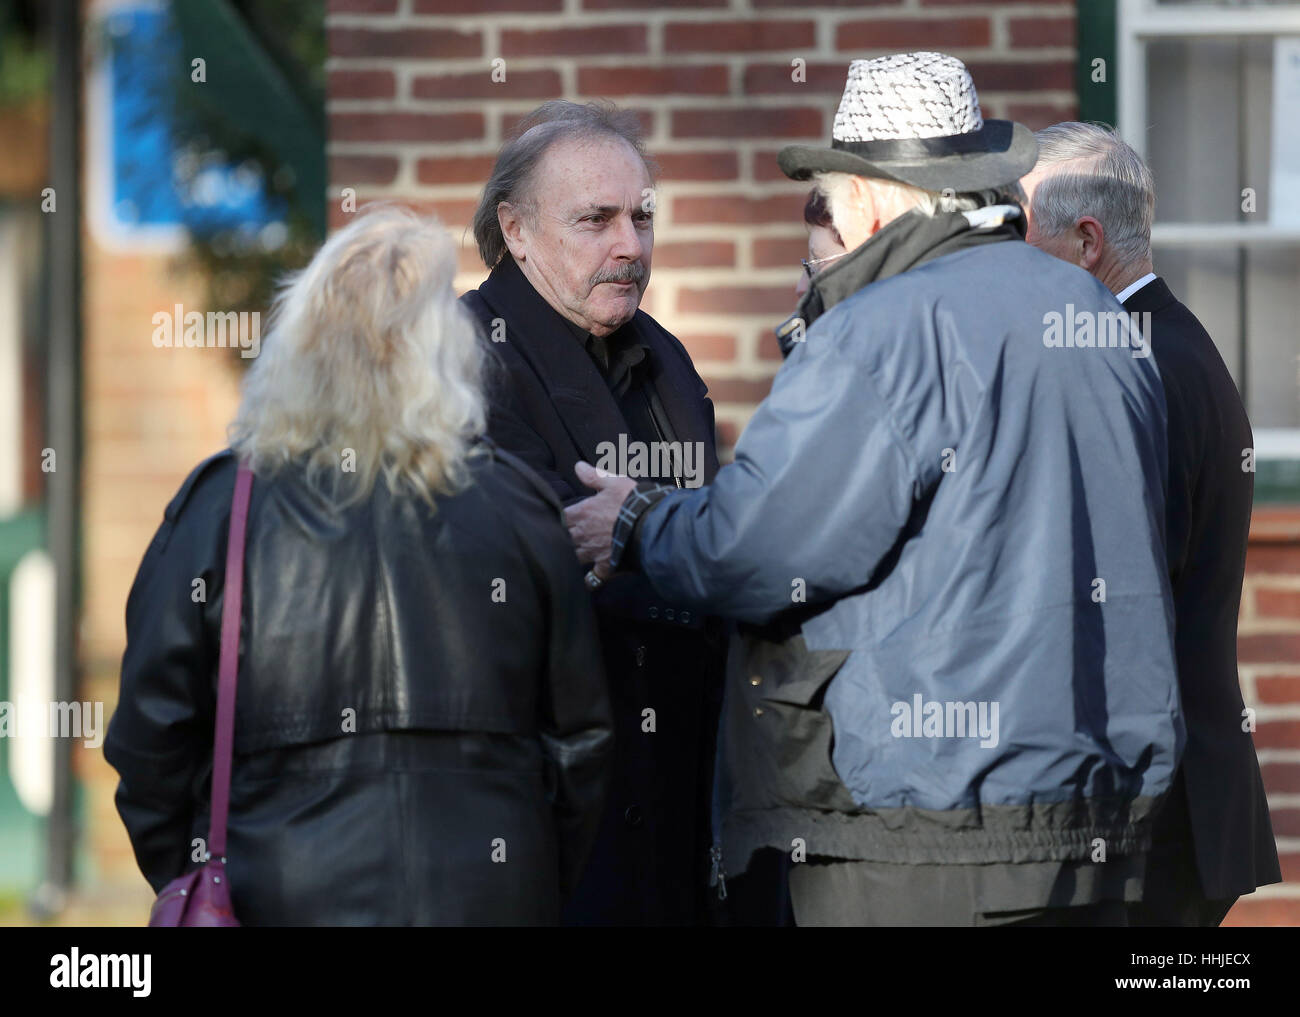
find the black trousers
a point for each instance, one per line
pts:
(1172, 897)
(760, 896)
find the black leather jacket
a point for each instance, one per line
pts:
(422, 723)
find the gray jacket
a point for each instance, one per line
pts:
(945, 536)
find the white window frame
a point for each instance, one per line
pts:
(1139, 22)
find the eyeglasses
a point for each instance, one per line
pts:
(808, 265)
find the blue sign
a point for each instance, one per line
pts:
(154, 185)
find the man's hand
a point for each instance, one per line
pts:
(591, 521)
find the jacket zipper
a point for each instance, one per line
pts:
(654, 419)
(718, 877)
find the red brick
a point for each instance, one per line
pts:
(780, 252)
(778, 79)
(709, 347)
(454, 169)
(1041, 31)
(1021, 75)
(982, 3)
(1278, 688)
(914, 33)
(738, 390)
(736, 300)
(467, 258)
(766, 168)
(1277, 603)
(487, 6)
(768, 348)
(351, 170)
(417, 43)
(362, 85)
(1275, 524)
(741, 36)
(542, 84)
(511, 120)
(1281, 911)
(1286, 822)
(729, 208)
(1273, 557)
(992, 109)
(828, 3)
(405, 126)
(1278, 734)
(362, 7)
(1038, 115)
(1268, 648)
(601, 40)
(452, 211)
(698, 165)
(749, 122)
(647, 5)
(1290, 866)
(1281, 778)
(681, 79)
(728, 434)
(695, 254)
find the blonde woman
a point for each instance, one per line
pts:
(421, 724)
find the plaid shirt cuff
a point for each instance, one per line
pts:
(634, 507)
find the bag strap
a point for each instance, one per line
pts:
(228, 668)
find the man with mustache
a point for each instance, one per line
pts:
(566, 224)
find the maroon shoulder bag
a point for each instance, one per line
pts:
(202, 897)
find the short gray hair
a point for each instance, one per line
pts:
(511, 180)
(1092, 171)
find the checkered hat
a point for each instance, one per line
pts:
(915, 118)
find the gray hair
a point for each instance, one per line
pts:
(1091, 170)
(512, 176)
(904, 197)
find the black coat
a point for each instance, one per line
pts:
(551, 407)
(1207, 525)
(396, 724)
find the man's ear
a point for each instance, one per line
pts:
(511, 220)
(863, 214)
(1091, 238)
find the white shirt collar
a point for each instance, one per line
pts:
(1132, 288)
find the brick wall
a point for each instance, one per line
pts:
(415, 116)
(150, 415)
(1268, 654)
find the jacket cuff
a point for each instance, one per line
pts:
(622, 545)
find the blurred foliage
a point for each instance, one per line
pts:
(24, 60)
(242, 266)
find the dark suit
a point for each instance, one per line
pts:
(551, 407)
(1213, 841)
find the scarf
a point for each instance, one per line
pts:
(910, 240)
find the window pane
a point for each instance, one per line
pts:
(1209, 123)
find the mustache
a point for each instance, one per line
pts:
(632, 271)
